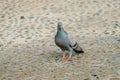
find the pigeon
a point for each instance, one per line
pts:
(66, 42)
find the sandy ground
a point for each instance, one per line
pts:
(28, 51)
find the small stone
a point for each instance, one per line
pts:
(22, 17)
(95, 75)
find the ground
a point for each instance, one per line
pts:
(28, 51)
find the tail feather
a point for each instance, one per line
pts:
(77, 49)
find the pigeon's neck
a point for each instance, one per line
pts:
(61, 32)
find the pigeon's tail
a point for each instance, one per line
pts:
(77, 49)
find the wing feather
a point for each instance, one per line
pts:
(73, 43)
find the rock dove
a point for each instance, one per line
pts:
(66, 42)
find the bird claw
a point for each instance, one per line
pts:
(64, 58)
(68, 59)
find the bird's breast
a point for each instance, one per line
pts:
(61, 41)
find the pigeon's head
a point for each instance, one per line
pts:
(59, 25)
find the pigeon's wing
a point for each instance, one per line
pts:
(74, 45)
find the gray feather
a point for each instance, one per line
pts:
(73, 43)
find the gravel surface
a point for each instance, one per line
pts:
(28, 51)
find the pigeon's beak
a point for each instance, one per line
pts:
(59, 25)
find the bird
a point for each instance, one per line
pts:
(66, 42)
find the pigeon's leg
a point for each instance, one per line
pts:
(63, 57)
(69, 57)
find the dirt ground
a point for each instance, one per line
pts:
(28, 51)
